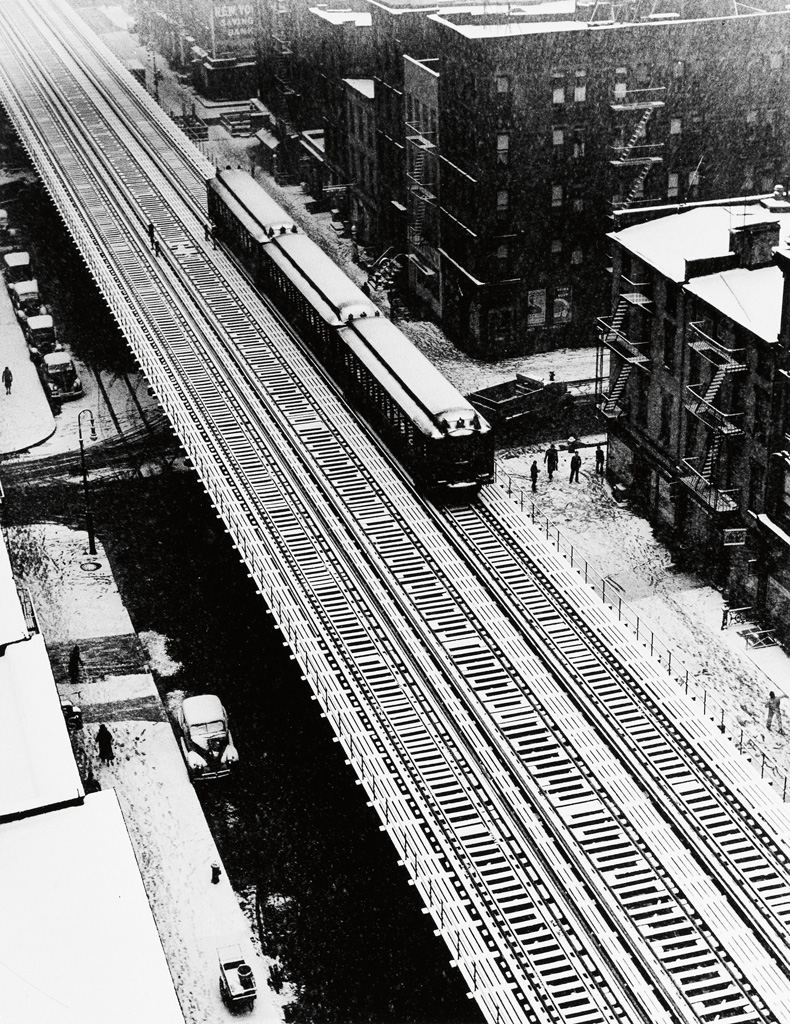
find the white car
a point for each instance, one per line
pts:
(205, 738)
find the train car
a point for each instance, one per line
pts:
(446, 445)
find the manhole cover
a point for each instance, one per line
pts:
(90, 566)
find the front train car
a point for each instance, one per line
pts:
(445, 442)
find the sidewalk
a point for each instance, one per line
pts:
(77, 602)
(25, 416)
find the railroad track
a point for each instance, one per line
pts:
(537, 836)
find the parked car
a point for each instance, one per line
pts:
(61, 377)
(205, 738)
(25, 298)
(16, 267)
(40, 334)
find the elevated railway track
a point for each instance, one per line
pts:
(588, 847)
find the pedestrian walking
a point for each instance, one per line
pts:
(213, 236)
(576, 463)
(216, 871)
(599, 461)
(104, 739)
(157, 248)
(207, 232)
(552, 460)
(8, 380)
(75, 664)
(775, 711)
(151, 230)
(533, 472)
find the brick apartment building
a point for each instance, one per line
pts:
(505, 134)
(545, 121)
(698, 405)
(216, 41)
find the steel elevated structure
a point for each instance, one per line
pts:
(589, 847)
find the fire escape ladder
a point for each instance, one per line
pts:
(610, 406)
(639, 181)
(711, 458)
(619, 315)
(638, 133)
(715, 384)
(418, 204)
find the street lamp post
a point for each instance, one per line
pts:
(88, 510)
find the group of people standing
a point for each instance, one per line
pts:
(551, 460)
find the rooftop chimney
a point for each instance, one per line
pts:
(753, 244)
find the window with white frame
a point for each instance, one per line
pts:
(580, 86)
(502, 84)
(502, 148)
(577, 256)
(556, 195)
(557, 136)
(673, 184)
(502, 200)
(674, 126)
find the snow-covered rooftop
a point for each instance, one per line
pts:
(366, 86)
(78, 943)
(37, 766)
(749, 297)
(338, 17)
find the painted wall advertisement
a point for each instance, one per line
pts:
(536, 308)
(234, 28)
(561, 311)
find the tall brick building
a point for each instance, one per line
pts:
(545, 121)
(216, 40)
(698, 404)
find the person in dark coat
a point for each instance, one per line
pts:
(75, 664)
(533, 472)
(552, 460)
(599, 460)
(8, 380)
(104, 739)
(576, 464)
(151, 230)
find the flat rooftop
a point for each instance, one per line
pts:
(78, 941)
(749, 297)
(501, 21)
(362, 19)
(365, 86)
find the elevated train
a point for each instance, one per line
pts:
(444, 443)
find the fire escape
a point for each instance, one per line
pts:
(634, 109)
(283, 59)
(704, 401)
(627, 353)
(422, 200)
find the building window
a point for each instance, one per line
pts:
(673, 185)
(580, 87)
(665, 430)
(577, 256)
(748, 177)
(556, 195)
(558, 93)
(751, 117)
(674, 126)
(578, 205)
(556, 246)
(669, 354)
(776, 61)
(578, 143)
(678, 69)
(502, 199)
(671, 299)
(557, 136)
(502, 84)
(502, 149)
(502, 252)
(620, 90)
